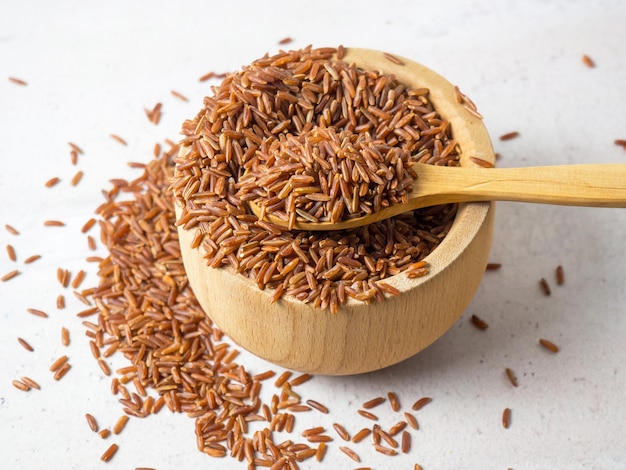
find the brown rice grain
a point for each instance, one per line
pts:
(104, 367)
(20, 385)
(317, 405)
(91, 421)
(25, 344)
(368, 415)
(65, 336)
(37, 312)
(341, 431)
(120, 424)
(393, 401)
(321, 451)
(76, 178)
(286, 40)
(511, 376)
(282, 378)
(75, 148)
(481, 162)
(313, 431)
(397, 428)
(268, 374)
(588, 61)
(421, 403)
(207, 76)
(392, 58)
(32, 259)
(118, 139)
(58, 363)
(506, 418)
(384, 450)
(53, 223)
(12, 230)
(17, 81)
(59, 374)
(91, 243)
(545, 287)
(621, 143)
(411, 420)
(479, 322)
(493, 266)
(406, 442)
(549, 345)
(60, 301)
(10, 275)
(560, 275)
(74, 157)
(87, 226)
(300, 379)
(179, 95)
(350, 453)
(109, 453)
(417, 467)
(78, 279)
(362, 434)
(374, 402)
(52, 182)
(509, 135)
(11, 253)
(31, 383)
(104, 433)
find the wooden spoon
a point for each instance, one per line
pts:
(595, 185)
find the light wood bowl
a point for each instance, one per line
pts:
(363, 337)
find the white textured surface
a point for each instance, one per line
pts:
(92, 67)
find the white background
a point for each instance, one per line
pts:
(93, 66)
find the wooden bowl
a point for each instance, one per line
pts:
(363, 337)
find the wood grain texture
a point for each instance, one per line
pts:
(362, 337)
(592, 185)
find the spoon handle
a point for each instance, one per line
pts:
(597, 185)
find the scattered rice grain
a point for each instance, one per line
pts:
(52, 182)
(91, 421)
(545, 287)
(76, 178)
(421, 403)
(506, 418)
(25, 344)
(12, 230)
(109, 453)
(368, 415)
(511, 376)
(560, 275)
(32, 259)
(588, 61)
(53, 223)
(549, 345)
(509, 135)
(479, 322)
(10, 275)
(118, 139)
(37, 312)
(17, 81)
(350, 453)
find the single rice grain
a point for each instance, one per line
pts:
(560, 275)
(506, 418)
(350, 453)
(421, 403)
(25, 344)
(549, 345)
(545, 287)
(109, 453)
(479, 322)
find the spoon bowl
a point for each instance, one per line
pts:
(363, 337)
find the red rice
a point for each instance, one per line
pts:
(76, 178)
(506, 418)
(509, 135)
(11, 253)
(179, 96)
(545, 287)
(318, 406)
(560, 275)
(350, 453)
(621, 143)
(549, 345)
(65, 337)
(588, 61)
(37, 312)
(31, 383)
(91, 421)
(511, 376)
(393, 401)
(109, 453)
(17, 81)
(374, 402)
(25, 344)
(10, 275)
(53, 223)
(341, 431)
(12, 230)
(284, 41)
(479, 322)
(32, 259)
(368, 415)
(421, 403)
(52, 182)
(406, 442)
(118, 139)
(362, 434)
(493, 266)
